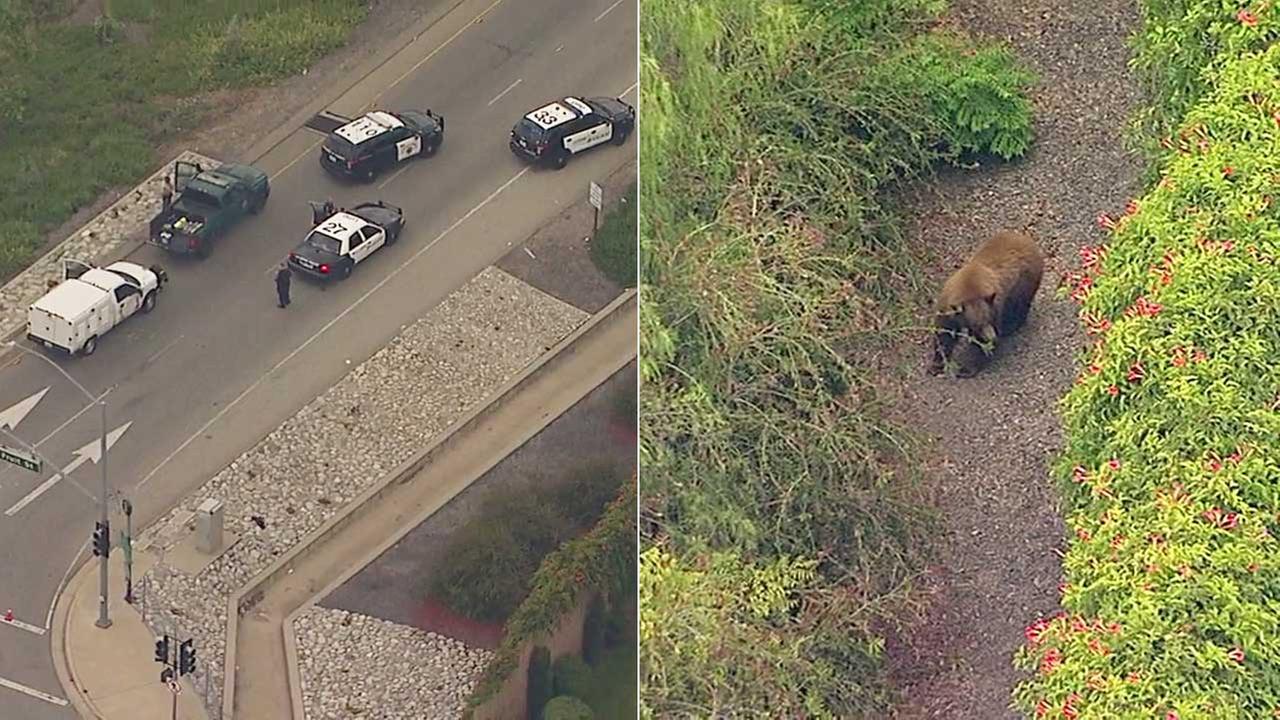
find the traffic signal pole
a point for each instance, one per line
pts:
(104, 619)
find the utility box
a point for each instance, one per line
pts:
(209, 517)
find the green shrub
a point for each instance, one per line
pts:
(1170, 471)
(539, 689)
(567, 707)
(570, 676)
(593, 630)
(613, 249)
(603, 560)
(773, 131)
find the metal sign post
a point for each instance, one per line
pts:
(126, 544)
(597, 199)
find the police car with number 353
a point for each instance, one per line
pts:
(569, 126)
(379, 140)
(335, 246)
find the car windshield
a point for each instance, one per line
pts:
(128, 278)
(324, 243)
(529, 130)
(606, 106)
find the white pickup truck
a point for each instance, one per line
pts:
(90, 301)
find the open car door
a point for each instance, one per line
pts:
(72, 269)
(183, 172)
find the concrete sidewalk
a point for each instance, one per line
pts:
(112, 674)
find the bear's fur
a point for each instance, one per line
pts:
(988, 298)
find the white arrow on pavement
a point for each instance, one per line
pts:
(90, 451)
(11, 416)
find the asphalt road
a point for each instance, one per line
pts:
(218, 365)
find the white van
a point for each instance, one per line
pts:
(90, 301)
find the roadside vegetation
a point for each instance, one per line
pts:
(1173, 429)
(85, 103)
(613, 249)
(780, 524)
(493, 558)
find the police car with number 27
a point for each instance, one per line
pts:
(379, 140)
(335, 246)
(569, 126)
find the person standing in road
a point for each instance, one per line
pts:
(283, 276)
(166, 194)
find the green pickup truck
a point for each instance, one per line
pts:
(207, 204)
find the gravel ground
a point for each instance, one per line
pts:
(392, 586)
(412, 666)
(341, 442)
(998, 433)
(557, 259)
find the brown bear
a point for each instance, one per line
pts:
(986, 299)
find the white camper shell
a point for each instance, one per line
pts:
(89, 302)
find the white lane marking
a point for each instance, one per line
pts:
(62, 585)
(163, 350)
(22, 626)
(394, 175)
(32, 692)
(73, 418)
(510, 87)
(375, 99)
(558, 49)
(359, 301)
(11, 416)
(89, 451)
(607, 11)
(627, 92)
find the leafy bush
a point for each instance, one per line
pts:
(593, 630)
(603, 560)
(772, 130)
(570, 676)
(495, 555)
(1181, 45)
(1172, 461)
(613, 249)
(538, 692)
(567, 707)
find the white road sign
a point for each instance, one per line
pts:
(597, 196)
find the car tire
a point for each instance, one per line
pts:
(621, 136)
(345, 272)
(149, 302)
(369, 175)
(89, 346)
(560, 160)
(429, 147)
(258, 204)
(394, 236)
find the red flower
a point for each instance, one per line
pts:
(1252, 567)
(1083, 535)
(1247, 18)
(1131, 208)
(1079, 474)
(1230, 521)
(1097, 646)
(1113, 391)
(1042, 707)
(1214, 465)
(1133, 677)
(1052, 659)
(1113, 463)
(1236, 654)
(1227, 171)
(1213, 515)
(1135, 372)
(1179, 360)
(1171, 716)
(1200, 356)
(1105, 222)
(1069, 707)
(1117, 541)
(1035, 630)
(1113, 628)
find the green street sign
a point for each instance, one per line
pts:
(21, 459)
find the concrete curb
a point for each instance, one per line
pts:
(62, 665)
(246, 597)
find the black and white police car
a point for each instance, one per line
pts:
(335, 246)
(569, 126)
(379, 140)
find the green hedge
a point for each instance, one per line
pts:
(603, 560)
(567, 707)
(1172, 466)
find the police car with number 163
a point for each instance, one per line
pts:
(379, 140)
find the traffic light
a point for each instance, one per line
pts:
(186, 658)
(162, 649)
(101, 539)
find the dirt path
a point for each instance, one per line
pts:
(998, 433)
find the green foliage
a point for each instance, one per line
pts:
(612, 693)
(83, 107)
(1172, 461)
(494, 557)
(773, 130)
(570, 676)
(593, 630)
(1181, 46)
(567, 707)
(539, 689)
(613, 250)
(602, 560)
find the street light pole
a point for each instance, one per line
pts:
(104, 617)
